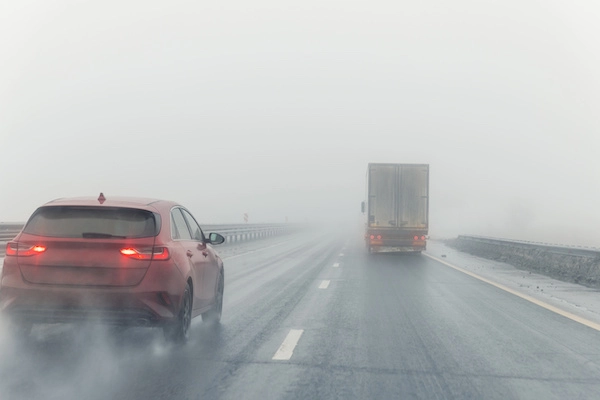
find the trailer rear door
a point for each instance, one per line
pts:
(413, 193)
(398, 196)
(382, 195)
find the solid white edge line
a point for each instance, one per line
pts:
(286, 349)
(336, 265)
(324, 284)
(530, 299)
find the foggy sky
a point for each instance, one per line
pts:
(274, 108)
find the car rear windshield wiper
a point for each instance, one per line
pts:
(98, 235)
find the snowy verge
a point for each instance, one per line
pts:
(579, 267)
(571, 297)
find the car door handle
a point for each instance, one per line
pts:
(189, 253)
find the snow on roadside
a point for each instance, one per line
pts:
(576, 299)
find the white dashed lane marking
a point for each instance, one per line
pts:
(286, 349)
(324, 284)
(336, 265)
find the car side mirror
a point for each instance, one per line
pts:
(215, 238)
(362, 207)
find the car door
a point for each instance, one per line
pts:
(194, 252)
(210, 267)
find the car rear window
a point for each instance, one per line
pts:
(93, 222)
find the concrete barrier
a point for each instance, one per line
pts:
(567, 263)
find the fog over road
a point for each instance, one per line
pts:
(274, 109)
(362, 327)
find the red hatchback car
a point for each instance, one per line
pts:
(121, 261)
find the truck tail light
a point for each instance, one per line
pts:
(416, 237)
(423, 237)
(154, 253)
(378, 237)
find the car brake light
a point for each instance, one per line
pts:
(378, 237)
(24, 250)
(129, 252)
(372, 237)
(422, 237)
(416, 238)
(155, 253)
(11, 249)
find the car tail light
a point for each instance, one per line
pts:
(24, 250)
(154, 253)
(378, 237)
(372, 237)
(11, 249)
(416, 238)
(423, 238)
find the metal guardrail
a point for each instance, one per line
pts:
(581, 251)
(237, 233)
(233, 233)
(8, 230)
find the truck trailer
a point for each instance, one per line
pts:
(396, 207)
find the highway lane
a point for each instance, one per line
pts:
(261, 288)
(408, 327)
(380, 326)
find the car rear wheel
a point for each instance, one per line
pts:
(214, 314)
(178, 331)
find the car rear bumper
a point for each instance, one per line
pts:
(153, 302)
(109, 316)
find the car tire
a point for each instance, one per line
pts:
(214, 314)
(179, 330)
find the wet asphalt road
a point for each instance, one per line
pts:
(370, 327)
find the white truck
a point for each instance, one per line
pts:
(397, 207)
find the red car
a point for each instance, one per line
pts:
(121, 261)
